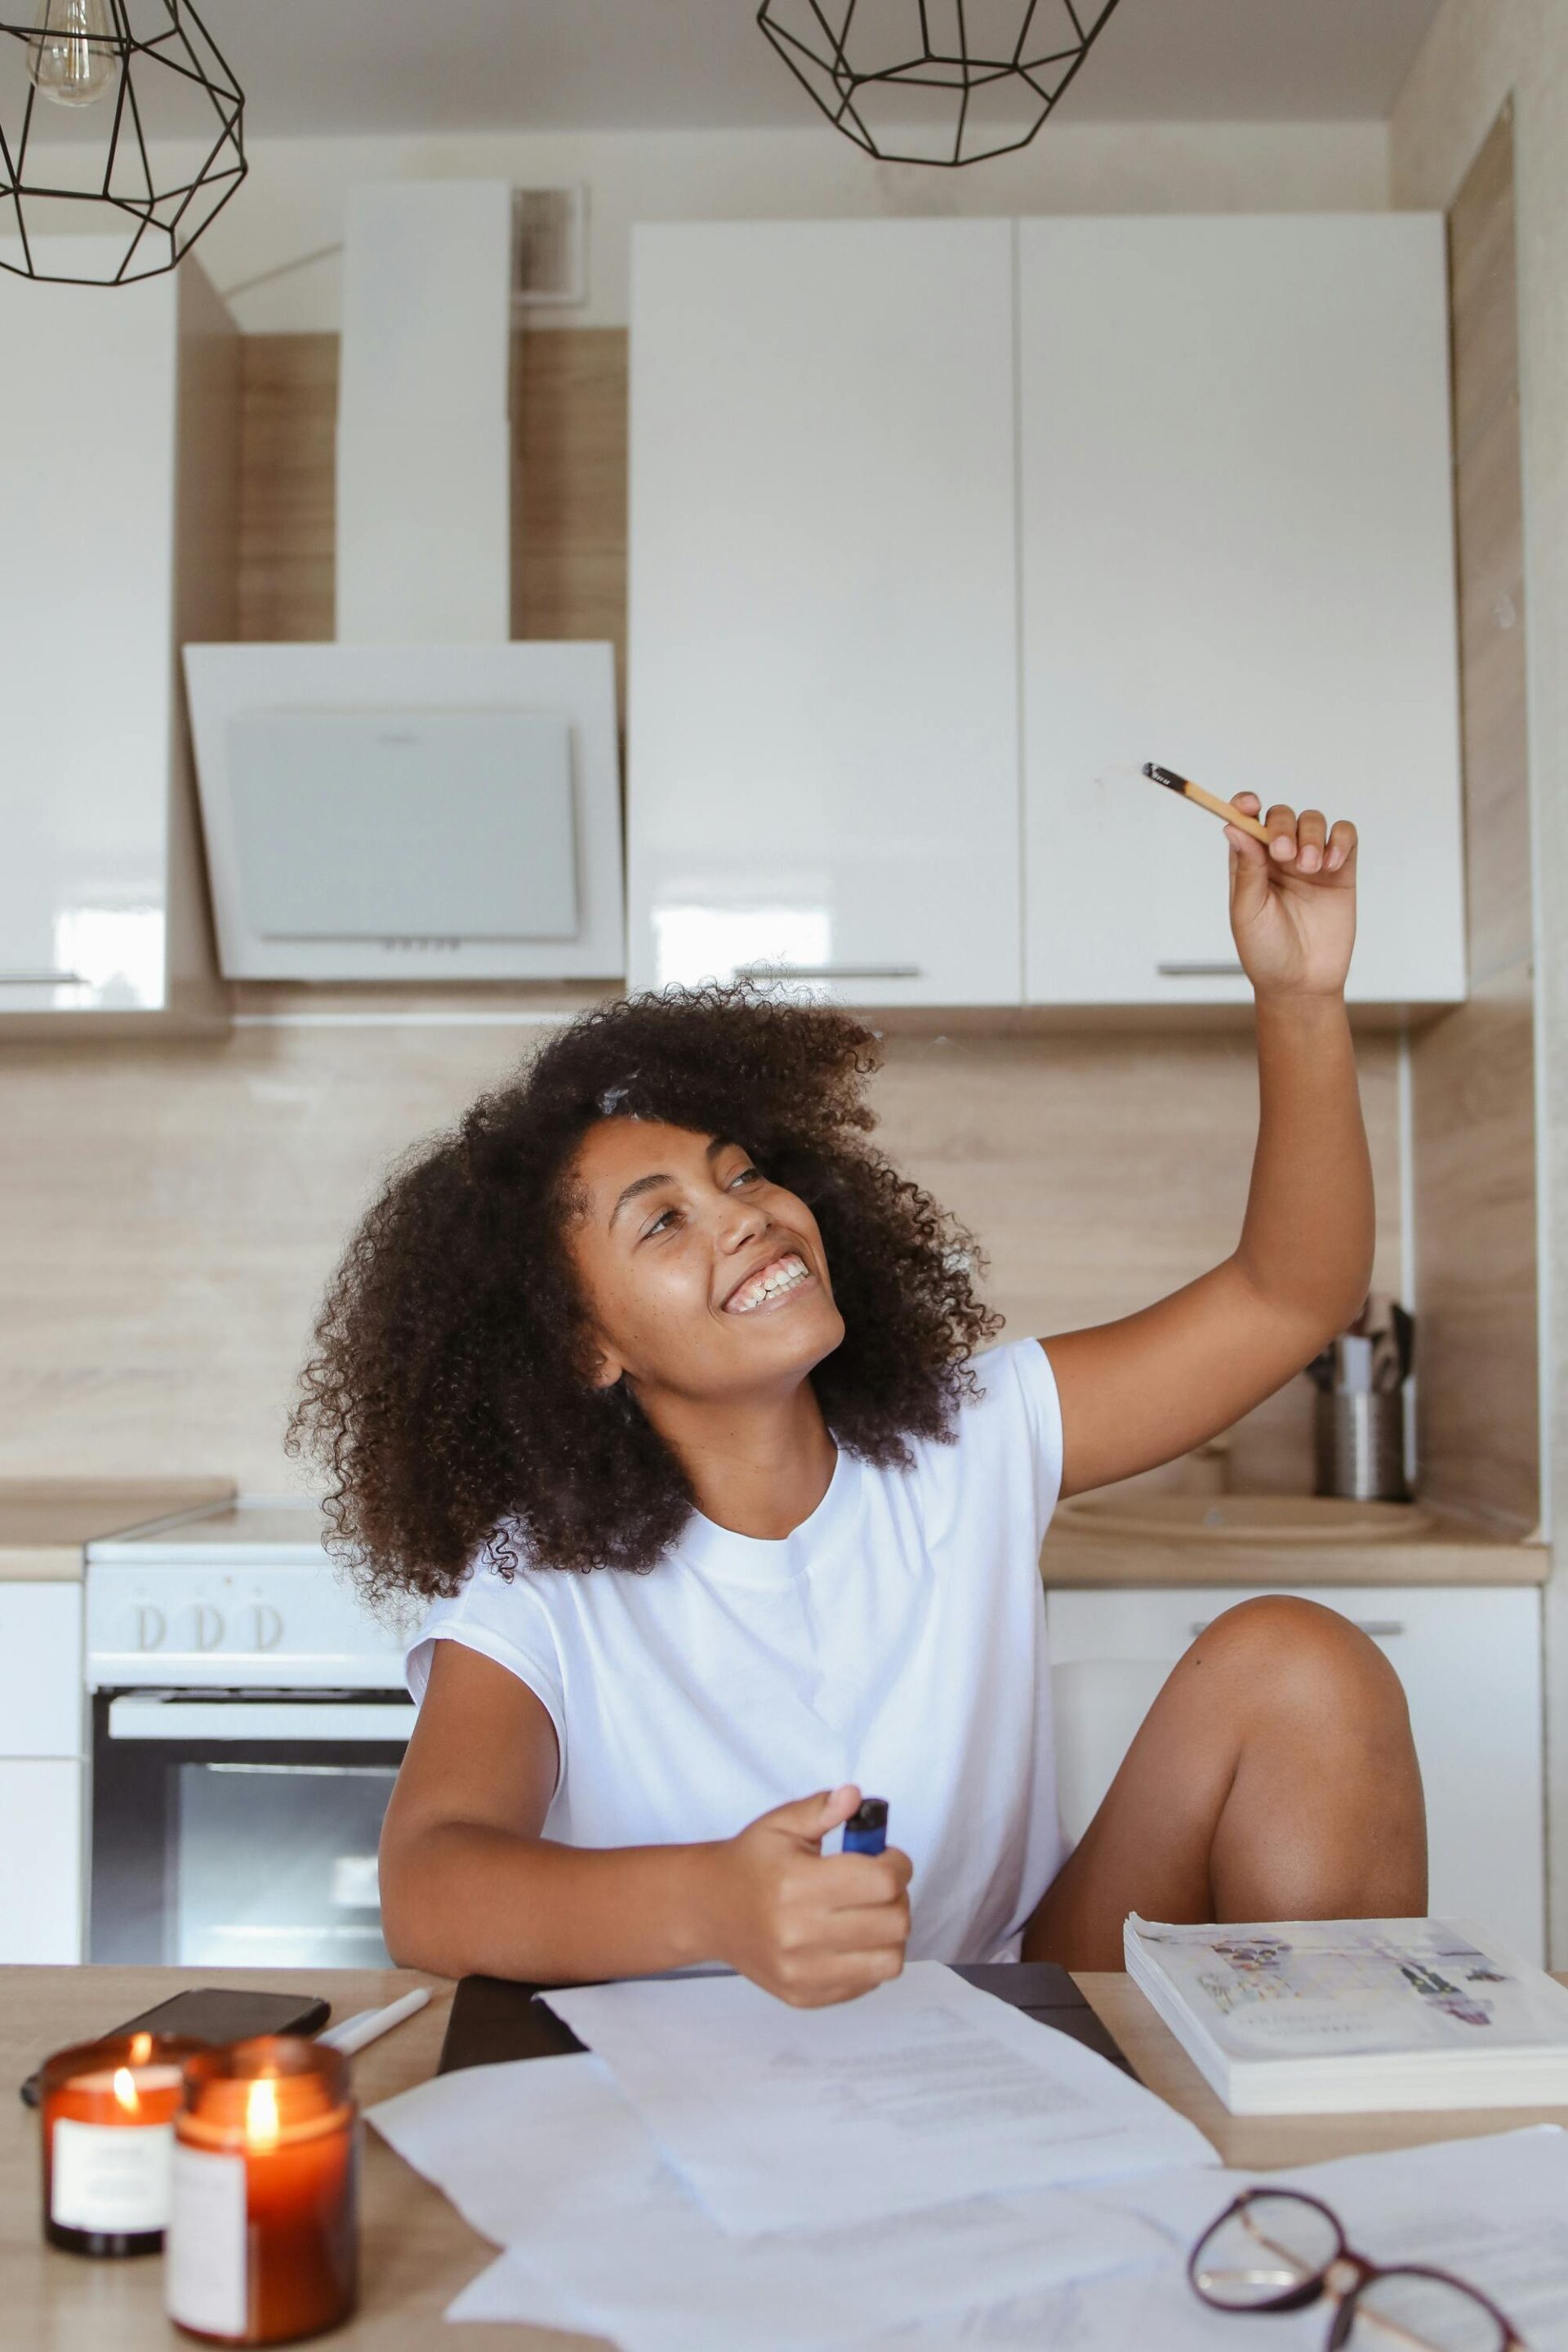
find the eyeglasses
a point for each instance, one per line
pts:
(1278, 2250)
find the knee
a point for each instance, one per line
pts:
(1286, 1652)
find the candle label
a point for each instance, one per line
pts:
(203, 2256)
(112, 2177)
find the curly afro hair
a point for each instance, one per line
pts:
(449, 1402)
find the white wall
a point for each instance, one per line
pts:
(293, 203)
(1478, 54)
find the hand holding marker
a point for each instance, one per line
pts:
(809, 1927)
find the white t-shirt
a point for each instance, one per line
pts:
(895, 1639)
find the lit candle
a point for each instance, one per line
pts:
(106, 2110)
(262, 2233)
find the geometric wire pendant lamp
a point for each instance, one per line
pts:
(934, 81)
(93, 95)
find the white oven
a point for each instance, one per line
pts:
(249, 1717)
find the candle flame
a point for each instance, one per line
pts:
(261, 2110)
(125, 2090)
(141, 2049)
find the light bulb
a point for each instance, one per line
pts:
(74, 55)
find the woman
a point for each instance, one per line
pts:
(661, 1385)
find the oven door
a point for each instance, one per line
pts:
(238, 1828)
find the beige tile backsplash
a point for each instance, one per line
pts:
(170, 1213)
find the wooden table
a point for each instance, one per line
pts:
(416, 2253)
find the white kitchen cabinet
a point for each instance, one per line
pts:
(1237, 563)
(41, 1851)
(1470, 1664)
(1219, 538)
(42, 1707)
(823, 708)
(119, 487)
(42, 1737)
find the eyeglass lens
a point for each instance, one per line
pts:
(1401, 2311)
(1271, 2247)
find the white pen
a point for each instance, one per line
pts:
(370, 2025)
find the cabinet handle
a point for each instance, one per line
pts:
(1378, 1629)
(831, 971)
(1200, 972)
(41, 979)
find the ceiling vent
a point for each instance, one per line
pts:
(550, 246)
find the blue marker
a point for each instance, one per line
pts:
(866, 1831)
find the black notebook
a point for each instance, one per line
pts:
(493, 2019)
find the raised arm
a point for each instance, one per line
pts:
(1143, 1389)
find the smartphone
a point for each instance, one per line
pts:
(219, 2014)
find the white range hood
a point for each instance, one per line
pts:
(424, 798)
(424, 481)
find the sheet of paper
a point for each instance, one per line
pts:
(513, 2291)
(924, 2091)
(785, 2294)
(1154, 2311)
(1493, 2211)
(546, 2157)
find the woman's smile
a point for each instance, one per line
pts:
(772, 1284)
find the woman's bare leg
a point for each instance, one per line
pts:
(1274, 1777)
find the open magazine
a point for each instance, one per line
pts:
(1326, 2016)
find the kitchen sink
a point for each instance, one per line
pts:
(1255, 1520)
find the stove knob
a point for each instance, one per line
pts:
(150, 1626)
(266, 1627)
(208, 1626)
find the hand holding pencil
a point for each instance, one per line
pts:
(1292, 903)
(1292, 890)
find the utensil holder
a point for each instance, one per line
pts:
(1360, 1444)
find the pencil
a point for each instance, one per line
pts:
(370, 2025)
(1187, 791)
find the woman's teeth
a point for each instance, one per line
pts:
(784, 1273)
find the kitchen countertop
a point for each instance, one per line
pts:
(416, 2253)
(44, 1525)
(1447, 1552)
(45, 1522)
(241, 1529)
